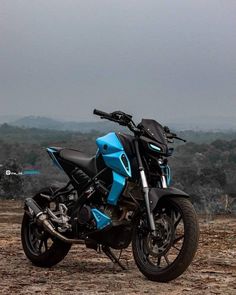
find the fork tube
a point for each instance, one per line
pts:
(145, 187)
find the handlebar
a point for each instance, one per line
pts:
(101, 113)
(118, 117)
(126, 120)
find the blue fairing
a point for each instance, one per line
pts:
(51, 152)
(115, 158)
(112, 150)
(118, 185)
(102, 220)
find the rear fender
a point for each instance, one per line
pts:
(156, 194)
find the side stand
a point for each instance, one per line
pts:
(112, 256)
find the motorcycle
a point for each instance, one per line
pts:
(118, 197)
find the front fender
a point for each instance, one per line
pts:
(155, 194)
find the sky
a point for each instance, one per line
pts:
(154, 59)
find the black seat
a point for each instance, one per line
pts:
(83, 161)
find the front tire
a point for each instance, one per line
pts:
(167, 255)
(40, 248)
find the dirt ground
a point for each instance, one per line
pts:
(84, 271)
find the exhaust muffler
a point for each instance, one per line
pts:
(42, 219)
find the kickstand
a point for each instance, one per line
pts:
(112, 256)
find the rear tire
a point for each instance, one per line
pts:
(40, 248)
(145, 252)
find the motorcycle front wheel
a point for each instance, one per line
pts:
(165, 255)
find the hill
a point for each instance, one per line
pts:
(52, 124)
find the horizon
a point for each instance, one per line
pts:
(201, 123)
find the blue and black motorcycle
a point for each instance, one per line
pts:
(118, 197)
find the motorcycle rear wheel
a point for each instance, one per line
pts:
(39, 247)
(167, 255)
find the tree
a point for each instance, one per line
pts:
(11, 180)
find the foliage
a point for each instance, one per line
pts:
(205, 170)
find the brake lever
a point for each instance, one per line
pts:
(171, 136)
(176, 137)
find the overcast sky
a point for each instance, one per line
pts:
(161, 59)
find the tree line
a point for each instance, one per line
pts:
(207, 171)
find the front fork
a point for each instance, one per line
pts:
(147, 201)
(145, 189)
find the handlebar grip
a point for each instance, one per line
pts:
(101, 113)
